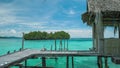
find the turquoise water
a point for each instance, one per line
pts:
(74, 44)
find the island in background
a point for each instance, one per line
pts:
(38, 35)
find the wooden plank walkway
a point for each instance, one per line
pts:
(9, 59)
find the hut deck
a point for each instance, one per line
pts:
(17, 57)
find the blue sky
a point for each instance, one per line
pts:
(17, 16)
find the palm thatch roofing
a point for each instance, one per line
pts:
(110, 10)
(104, 5)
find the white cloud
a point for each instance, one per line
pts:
(33, 15)
(76, 33)
(80, 33)
(7, 16)
(13, 31)
(71, 12)
(32, 25)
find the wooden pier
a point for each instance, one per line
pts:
(17, 57)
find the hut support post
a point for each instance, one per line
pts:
(43, 62)
(106, 64)
(20, 66)
(94, 36)
(99, 62)
(100, 31)
(67, 62)
(72, 62)
(119, 30)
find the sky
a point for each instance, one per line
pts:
(17, 16)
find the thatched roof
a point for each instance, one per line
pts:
(104, 5)
(110, 10)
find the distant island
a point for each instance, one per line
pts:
(38, 35)
(11, 37)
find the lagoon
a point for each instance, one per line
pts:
(74, 44)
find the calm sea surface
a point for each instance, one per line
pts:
(74, 44)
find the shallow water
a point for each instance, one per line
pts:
(74, 44)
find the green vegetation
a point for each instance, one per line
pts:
(37, 35)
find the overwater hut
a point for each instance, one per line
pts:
(100, 14)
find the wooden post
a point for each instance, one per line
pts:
(72, 62)
(20, 66)
(51, 47)
(100, 31)
(25, 63)
(59, 47)
(67, 44)
(55, 45)
(14, 50)
(106, 64)
(20, 49)
(99, 62)
(43, 62)
(8, 52)
(23, 41)
(61, 44)
(64, 44)
(94, 36)
(119, 30)
(56, 59)
(67, 62)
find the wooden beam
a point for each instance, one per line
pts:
(109, 19)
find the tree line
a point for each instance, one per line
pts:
(38, 35)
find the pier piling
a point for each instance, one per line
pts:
(106, 62)
(8, 52)
(55, 45)
(64, 44)
(51, 48)
(14, 50)
(72, 62)
(67, 62)
(99, 62)
(43, 62)
(25, 63)
(67, 44)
